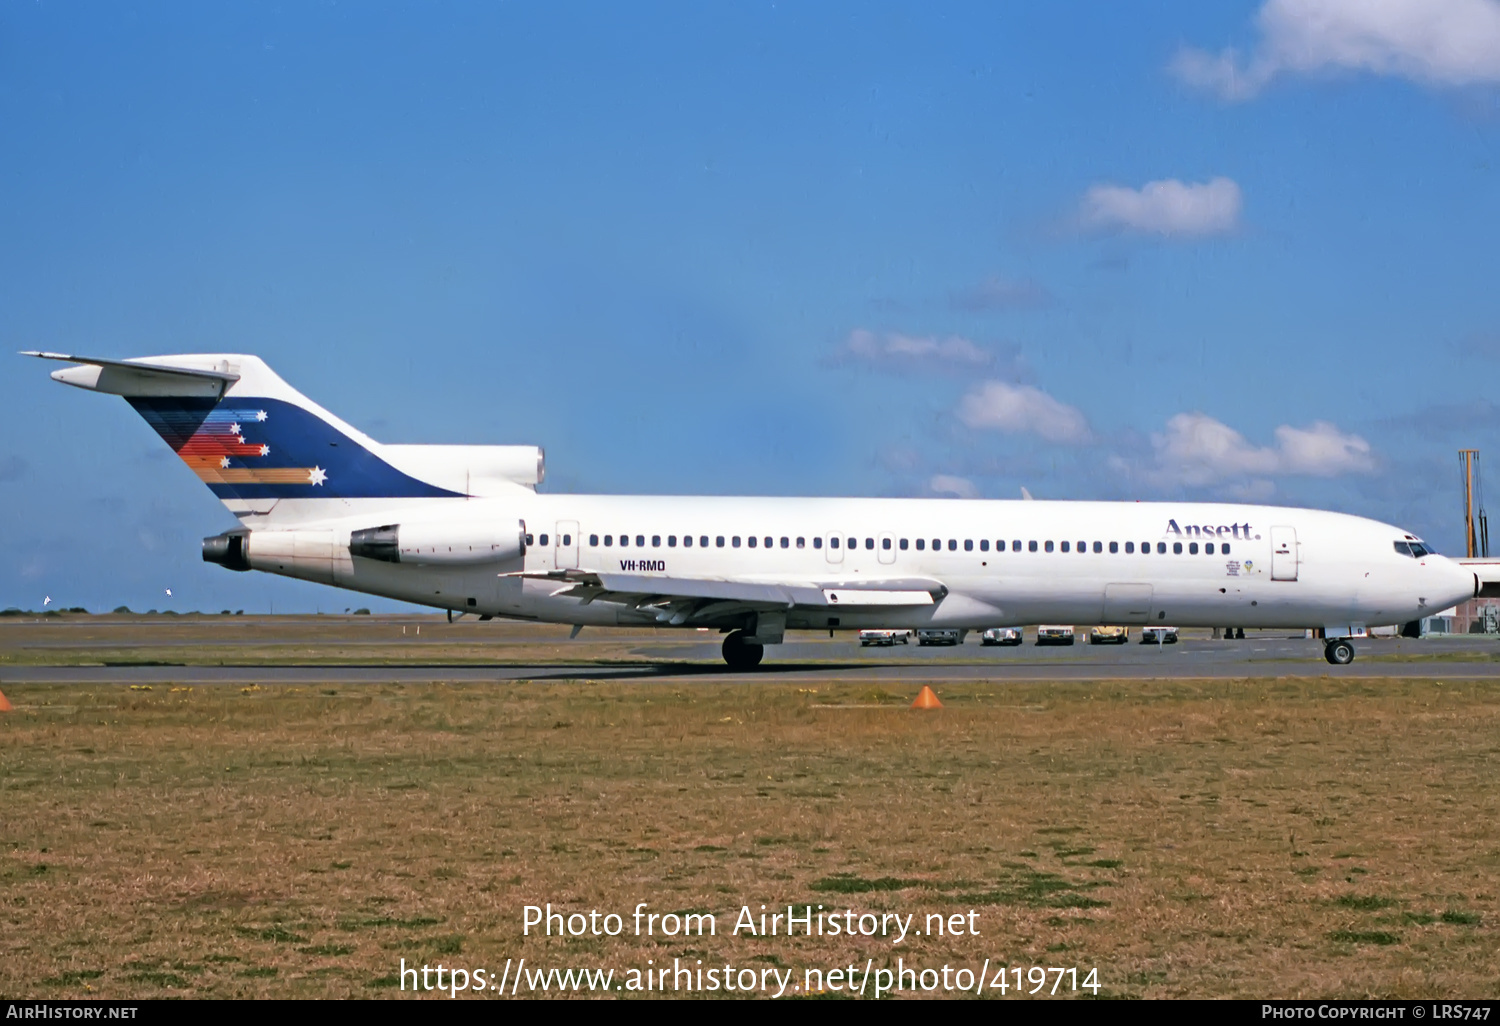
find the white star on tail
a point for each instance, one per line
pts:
(234, 429)
(317, 475)
(260, 414)
(265, 450)
(223, 461)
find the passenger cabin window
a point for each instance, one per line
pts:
(593, 541)
(937, 544)
(1129, 548)
(853, 543)
(543, 539)
(671, 541)
(984, 545)
(903, 544)
(885, 543)
(1032, 546)
(1064, 546)
(1192, 548)
(1224, 549)
(624, 540)
(1177, 548)
(532, 541)
(833, 543)
(703, 541)
(768, 541)
(1099, 547)
(1015, 546)
(1048, 546)
(687, 541)
(1208, 548)
(750, 541)
(1161, 548)
(817, 543)
(1083, 546)
(567, 539)
(952, 544)
(922, 544)
(719, 541)
(1115, 547)
(734, 542)
(609, 540)
(640, 541)
(869, 543)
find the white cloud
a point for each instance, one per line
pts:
(948, 484)
(1165, 207)
(1438, 42)
(1022, 409)
(908, 352)
(1197, 451)
(1322, 451)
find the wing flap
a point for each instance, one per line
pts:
(642, 589)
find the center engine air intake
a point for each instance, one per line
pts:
(441, 543)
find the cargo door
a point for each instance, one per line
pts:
(1284, 554)
(1125, 604)
(565, 545)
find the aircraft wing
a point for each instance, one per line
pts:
(690, 598)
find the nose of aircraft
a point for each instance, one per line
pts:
(1457, 582)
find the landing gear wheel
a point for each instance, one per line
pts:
(1339, 653)
(741, 654)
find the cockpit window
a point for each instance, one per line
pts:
(1415, 549)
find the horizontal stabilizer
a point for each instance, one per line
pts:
(139, 378)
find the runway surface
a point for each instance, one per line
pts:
(648, 657)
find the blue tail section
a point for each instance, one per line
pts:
(265, 448)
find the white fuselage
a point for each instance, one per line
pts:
(999, 562)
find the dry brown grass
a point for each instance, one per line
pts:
(1251, 838)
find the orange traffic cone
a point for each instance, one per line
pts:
(926, 699)
(4, 705)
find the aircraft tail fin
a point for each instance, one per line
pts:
(247, 434)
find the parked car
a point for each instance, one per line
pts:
(1054, 634)
(884, 637)
(1001, 636)
(1158, 635)
(938, 636)
(1109, 635)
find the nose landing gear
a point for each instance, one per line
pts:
(1339, 652)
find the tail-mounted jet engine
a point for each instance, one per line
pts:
(441, 544)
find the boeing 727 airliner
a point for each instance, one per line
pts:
(463, 528)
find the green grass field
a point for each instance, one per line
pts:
(1249, 838)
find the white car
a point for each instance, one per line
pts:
(884, 637)
(1158, 635)
(938, 636)
(1001, 636)
(1054, 634)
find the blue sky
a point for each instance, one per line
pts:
(1100, 251)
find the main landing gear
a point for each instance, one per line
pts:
(741, 653)
(1339, 652)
